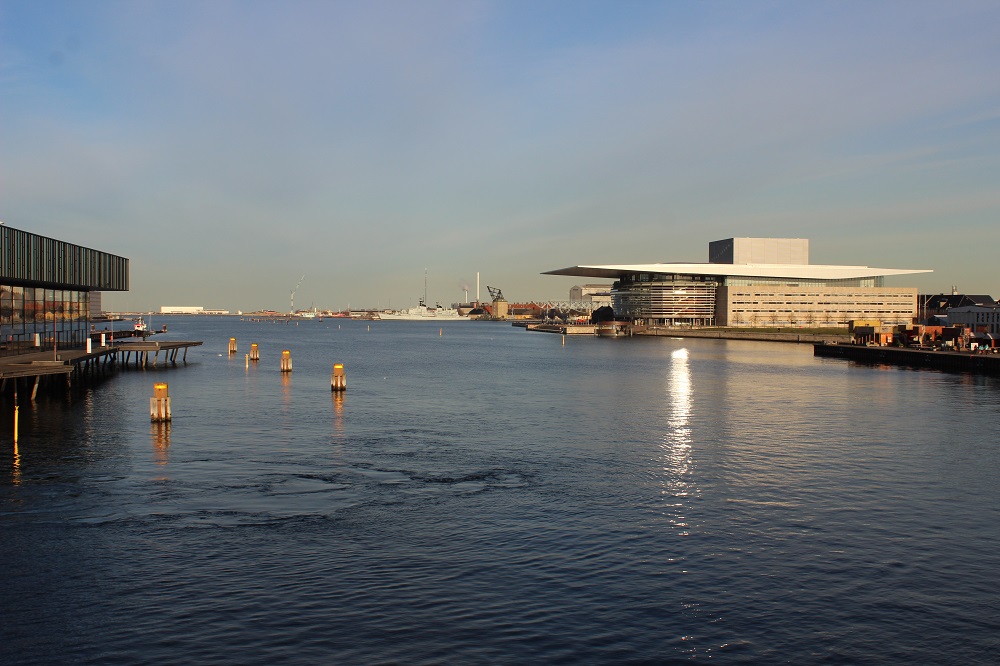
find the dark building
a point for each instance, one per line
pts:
(931, 306)
(45, 287)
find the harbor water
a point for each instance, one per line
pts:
(483, 494)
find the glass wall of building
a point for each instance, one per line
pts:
(36, 318)
(670, 300)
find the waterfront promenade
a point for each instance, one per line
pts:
(803, 337)
(731, 334)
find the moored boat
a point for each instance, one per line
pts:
(424, 313)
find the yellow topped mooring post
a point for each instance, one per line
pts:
(159, 404)
(338, 382)
(232, 345)
(254, 352)
(286, 361)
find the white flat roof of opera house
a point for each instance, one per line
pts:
(776, 271)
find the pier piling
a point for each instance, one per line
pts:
(159, 404)
(232, 346)
(286, 361)
(254, 352)
(338, 381)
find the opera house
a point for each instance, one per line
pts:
(754, 282)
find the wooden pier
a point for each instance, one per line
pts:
(75, 366)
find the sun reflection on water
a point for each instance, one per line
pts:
(675, 444)
(16, 466)
(338, 414)
(160, 434)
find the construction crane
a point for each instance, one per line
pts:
(291, 297)
(499, 310)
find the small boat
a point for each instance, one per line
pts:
(140, 326)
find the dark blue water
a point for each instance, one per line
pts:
(484, 494)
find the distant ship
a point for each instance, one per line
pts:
(424, 313)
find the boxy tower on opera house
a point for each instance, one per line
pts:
(754, 282)
(45, 288)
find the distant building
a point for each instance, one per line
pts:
(181, 309)
(754, 282)
(96, 307)
(981, 320)
(598, 294)
(937, 305)
(189, 309)
(45, 289)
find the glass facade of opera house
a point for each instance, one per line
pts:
(45, 288)
(706, 300)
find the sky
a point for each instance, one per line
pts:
(230, 148)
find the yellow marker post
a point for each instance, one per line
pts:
(338, 381)
(159, 404)
(286, 361)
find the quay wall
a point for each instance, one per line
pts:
(985, 364)
(808, 338)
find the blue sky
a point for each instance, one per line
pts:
(227, 148)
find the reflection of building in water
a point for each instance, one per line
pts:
(755, 282)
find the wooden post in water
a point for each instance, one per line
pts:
(286, 361)
(159, 404)
(232, 346)
(254, 352)
(338, 382)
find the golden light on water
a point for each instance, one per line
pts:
(160, 434)
(15, 475)
(676, 441)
